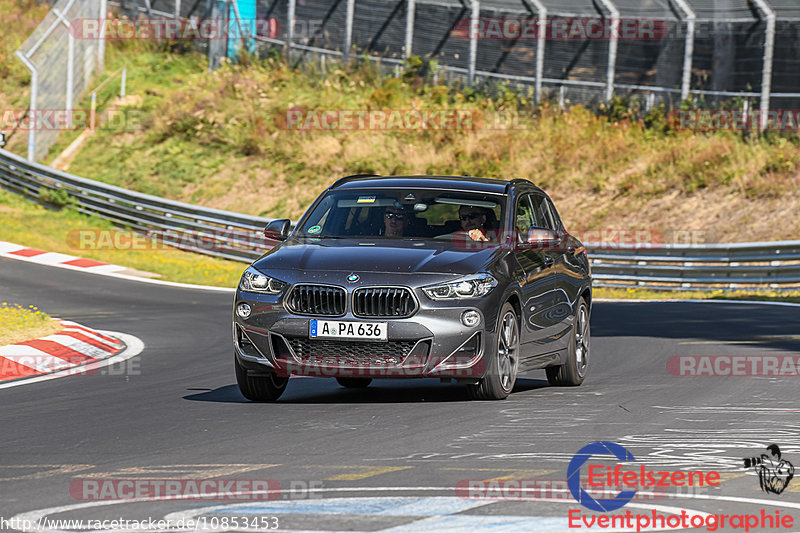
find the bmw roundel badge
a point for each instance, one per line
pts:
(353, 278)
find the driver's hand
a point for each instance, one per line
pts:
(477, 235)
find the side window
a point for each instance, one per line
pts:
(542, 213)
(553, 213)
(524, 216)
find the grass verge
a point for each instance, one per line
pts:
(791, 296)
(221, 139)
(30, 224)
(18, 324)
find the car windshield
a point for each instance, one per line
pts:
(407, 214)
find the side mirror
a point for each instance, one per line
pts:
(278, 230)
(541, 239)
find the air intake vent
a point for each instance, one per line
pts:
(376, 302)
(317, 300)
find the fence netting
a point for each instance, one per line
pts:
(573, 61)
(49, 53)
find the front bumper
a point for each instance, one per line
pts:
(431, 343)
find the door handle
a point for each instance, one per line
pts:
(548, 261)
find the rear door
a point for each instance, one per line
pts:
(565, 284)
(536, 285)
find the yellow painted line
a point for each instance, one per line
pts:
(45, 471)
(358, 472)
(761, 339)
(724, 477)
(195, 471)
(725, 342)
(513, 473)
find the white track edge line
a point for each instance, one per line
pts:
(125, 276)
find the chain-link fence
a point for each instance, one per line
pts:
(61, 68)
(719, 53)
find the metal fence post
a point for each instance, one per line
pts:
(410, 13)
(101, 46)
(290, 14)
(32, 108)
(473, 40)
(348, 28)
(68, 102)
(541, 40)
(613, 45)
(688, 48)
(769, 53)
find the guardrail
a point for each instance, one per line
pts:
(240, 237)
(772, 265)
(200, 229)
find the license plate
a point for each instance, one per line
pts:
(333, 329)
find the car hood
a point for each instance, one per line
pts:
(376, 256)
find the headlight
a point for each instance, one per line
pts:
(469, 287)
(255, 281)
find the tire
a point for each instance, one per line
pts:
(503, 362)
(573, 372)
(354, 383)
(266, 387)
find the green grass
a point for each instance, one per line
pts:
(54, 230)
(792, 296)
(18, 324)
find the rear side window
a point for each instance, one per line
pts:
(524, 217)
(544, 217)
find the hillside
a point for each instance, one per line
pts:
(220, 139)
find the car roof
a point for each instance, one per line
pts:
(456, 183)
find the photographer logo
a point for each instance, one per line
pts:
(774, 473)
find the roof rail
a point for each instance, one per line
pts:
(516, 180)
(342, 181)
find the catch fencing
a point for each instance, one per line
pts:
(729, 54)
(240, 237)
(716, 52)
(61, 66)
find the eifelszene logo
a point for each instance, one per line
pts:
(618, 477)
(774, 473)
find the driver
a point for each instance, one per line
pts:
(395, 221)
(473, 221)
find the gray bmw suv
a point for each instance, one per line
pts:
(460, 278)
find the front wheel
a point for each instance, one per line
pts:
(503, 363)
(573, 372)
(266, 387)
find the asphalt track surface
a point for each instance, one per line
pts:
(389, 456)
